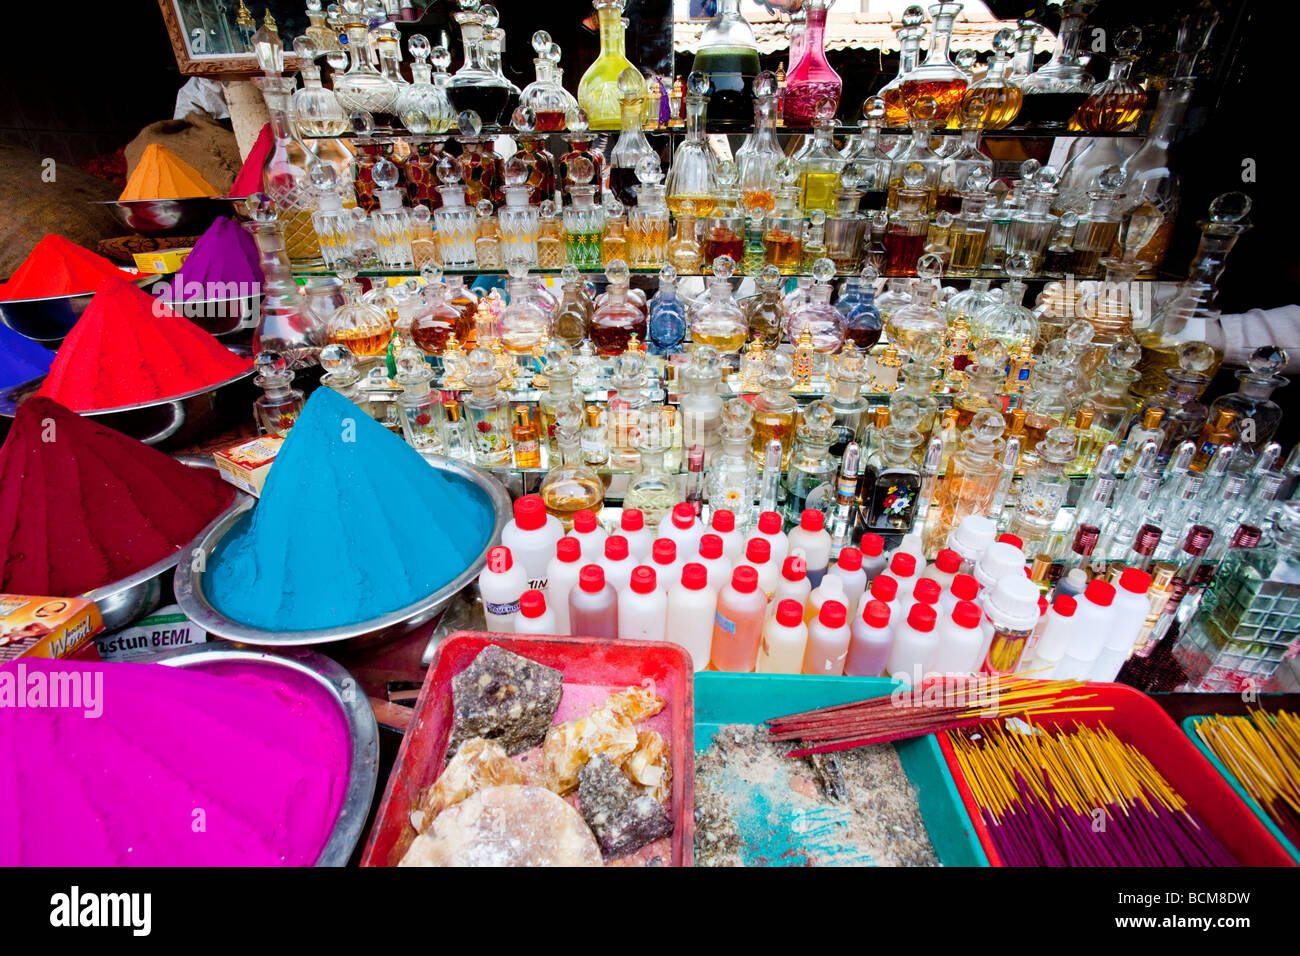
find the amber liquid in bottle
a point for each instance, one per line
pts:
(549, 121)
(613, 339)
(528, 450)
(722, 242)
(967, 249)
(783, 250)
(723, 343)
(704, 205)
(1036, 428)
(759, 199)
(362, 344)
(1109, 112)
(567, 497)
(1001, 105)
(947, 95)
(770, 425)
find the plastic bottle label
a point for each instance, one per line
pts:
(727, 626)
(501, 609)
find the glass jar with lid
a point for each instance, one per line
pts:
(365, 329)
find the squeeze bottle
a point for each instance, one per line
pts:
(848, 568)
(813, 538)
(1131, 608)
(663, 558)
(561, 578)
(769, 529)
(534, 616)
(758, 555)
(970, 539)
(831, 589)
(691, 606)
(714, 561)
(616, 562)
(500, 584)
(593, 605)
(588, 533)
(738, 622)
(1058, 629)
(946, 566)
(785, 638)
(884, 588)
(793, 585)
(960, 640)
(640, 539)
(682, 526)
(915, 643)
(531, 537)
(723, 524)
(963, 588)
(871, 640)
(874, 561)
(642, 607)
(1093, 616)
(828, 641)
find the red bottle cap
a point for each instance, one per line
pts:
(530, 513)
(591, 578)
(873, 545)
(1012, 540)
(1065, 605)
(568, 549)
(850, 559)
(964, 587)
(833, 614)
(664, 551)
(744, 579)
(758, 550)
(499, 559)
(1099, 592)
(616, 547)
(1147, 540)
(812, 520)
(532, 604)
(966, 614)
(947, 561)
(903, 565)
(1135, 580)
(876, 613)
(769, 522)
(632, 520)
(884, 588)
(710, 546)
(584, 521)
(643, 579)
(789, 613)
(1042, 606)
(794, 569)
(724, 521)
(921, 617)
(683, 515)
(927, 591)
(695, 577)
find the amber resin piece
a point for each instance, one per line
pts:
(650, 765)
(623, 818)
(506, 826)
(570, 745)
(478, 764)
(636, 703)
(504, 697)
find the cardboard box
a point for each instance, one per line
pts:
(46, 626)
(160, 261)
(246, 465)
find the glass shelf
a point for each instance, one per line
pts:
(842, 129)
(992, 274)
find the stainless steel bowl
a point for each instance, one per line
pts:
(49, 320)
(363, 770)
(191, 598)
(219, 316)
(169, 422)
(170, 217)
(135, 595)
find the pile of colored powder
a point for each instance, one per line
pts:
(242, 766)
(21, 359)
(82, 506)
(249, 180)
(129, 348)
(223, 264)
(161, 174)
(59, 267)
(352, 524)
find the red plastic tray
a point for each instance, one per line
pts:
(1138, 720)
(585, 662)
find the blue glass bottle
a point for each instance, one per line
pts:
(667, 315)
(862, 322)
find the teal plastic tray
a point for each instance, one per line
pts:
(722, 699)
(1189, 728)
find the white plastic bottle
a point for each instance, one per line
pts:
(848, 568)
(593, 605)
(793, 586)
(682, 526)
(926, 591)
(828, 641)
(738, 623)
(785, 638)
(999, 560)
(1131, 607)
(640, 539)
(769, 528)
(963, 588)
(884, 588)
(642, 607)
(872, 638)
(915, 644)
(691, 606)
(617, 562)
(714, 560)
(874, 561)
(531, 537)
(1093, 616)
(970, 539)
(902, 568)
(831, 589)
(534, 616)
(1058, 630)
(561, 578)
(946, 566)
(501, 583)
(758, 555)
(723, 524)
(813, 538)
(588, 533)
(960, 640)
(911, 544)
(667, 565)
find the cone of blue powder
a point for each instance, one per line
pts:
(224, 264)
(21, 359)
(352, 524)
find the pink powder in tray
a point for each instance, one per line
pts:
(234, 764)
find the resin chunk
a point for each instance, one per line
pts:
(478, 764)
(506, 698)
(650, 765)
(622, 818)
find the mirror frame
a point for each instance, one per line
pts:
(213, 65)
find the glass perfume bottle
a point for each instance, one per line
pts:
(969, 234)
(455, 220)
(1110, 401)
(632, 146)
(519, 221)
(617, 320)
(728, 54)
(598, 90)
(571, 485)
(848, 373)
(846, 228)
(422, 106)
(1256, 415)
(920, 316)
(538, 163)
(316, 111)
(970, 482)
(545, 96)
(763, 312)
(1097, 228)
(910, 33)
(963, 165)
(1007, 319)
(493, 45)
(1044, 490)
(488, 411)
(362, 87)
(335, 226)
(783, 229)
(1065, 72)
(419, 408)
(524, 323)
(624, 409)
(865, 152)
(810, 466)
(1151, 181)
(905, 236)
(579, 141)
(287, 325)
(391, 223)
(732, 479)
(436, 320)
(812, 78)
(481, 167)
(774, 408)
(723, 230)
(820, 164)
(572, 319)
(648, 222)
(651, 489)
(584, 221)
(983, 382)
(691, 175)
(701, 406)
(550, 237)
(920, 377)
(817, 316)
(999, 98)
(667, 323)
(476, 85)
(323, 36)
(487, 238)
(718, 321)
(758, 155)
(557, 366)
(280, 404)
(365, 329)
(863, 324)
(1032, 225)
(285, 177)
(684, 251)
(896, 490)
(1116, 103)
(938, 76)
(613, 243)
(916, 150)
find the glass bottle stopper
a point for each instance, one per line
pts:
(1195, 357)
(1046, 178)
(987, 425)
(1004, 41)
(1058, 445)
(468, 6)
(449, 170)
(431, 273)
(965, 59)
(1079, 335)
(553, 53)
(541, 43)
(686, 209)
(824, 111)
(517, 267)
(1129, 39)
(482, 368)
(777, 369)
(581, 170)
(516, 173)
(668, 274)
(547, 209)
(927, 348)
(648, 171)
(259, 207)
(569, 274)
(929, 267)
(922, 110)
(490, 16)
(724, 267)
(337, 60)
(337, 359)
(469, 123)
(1230, 207)
(852, 176)
(787, 171)
(913, 175)
(817, 218)
(1124, 354)
(823, 270)
(1018, 266)
(1267, 360)
(850, 363)
(913, 15)
(577, 120)
(411, 367)
(384, 174)
(991, 354)
(736, 415)
(1069, 219)
(819, 418)
(613, 208)
(272, 369)
(618, 273)
(631, 85)
(558, 355)
(523, 119)
(1058, 353)
(418, 47)
(484, 208)
(630, 367)
(1110, 179)
(569, 416)
(765, 85)
(869, 274)
(441, 58)
(362, 123)
(769, 277)
(323, 177)
(346, 269)
(904, 415)
(697, 83)
(1029, 169)
(725, 174)
(304, 47)
(873, 110)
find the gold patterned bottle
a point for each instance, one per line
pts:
(285, 178)
(775, 411)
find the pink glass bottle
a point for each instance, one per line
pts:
(811, 77)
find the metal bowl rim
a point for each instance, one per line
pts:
(138, 280)
(363, 729)
(190, 596)
(94, 413)
(133, 203)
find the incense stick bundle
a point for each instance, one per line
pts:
(1079, 798)
(1262, 751)
(941, 704)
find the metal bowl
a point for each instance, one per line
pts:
(165, 423)
(363, 770)
(49, 320)
(123, 602)
(170, 217)
(219, 316)
(192, 599)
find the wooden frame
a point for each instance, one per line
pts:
(214, 65)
